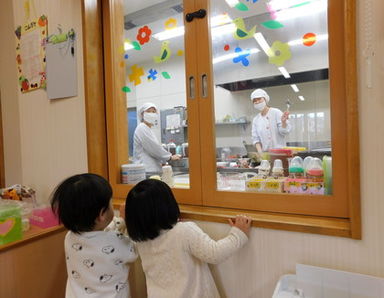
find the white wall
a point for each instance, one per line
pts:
(44, 141)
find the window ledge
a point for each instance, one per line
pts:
(330, 226)
(297, 223)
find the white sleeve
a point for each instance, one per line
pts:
(126, 248)
(210, 251)
(283, 131)
(152, 146)
(255, 135)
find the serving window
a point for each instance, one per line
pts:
(199, 62)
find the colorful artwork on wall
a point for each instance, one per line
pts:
(30, 54)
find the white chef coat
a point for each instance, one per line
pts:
(147, 149)
(268, 130)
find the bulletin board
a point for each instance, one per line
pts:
(30, 54)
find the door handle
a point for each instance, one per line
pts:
(191, 87)
(200, 14)
(204, 85)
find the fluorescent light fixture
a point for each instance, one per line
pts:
(221, 30)
(263, 44)
(215, 23)
(295, 88)
(233, 55)
(220, 19)
(304, 10)
(283, 4)
(232, 3)
(297, 42)
(301, 98)
(284, 72)
(171, 33)
(127, 46)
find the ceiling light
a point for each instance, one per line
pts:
(283, 4)
(232, 3)
(304, 10)
(297, 42)
(233, 55)
(263, 44)
(220, 19)
(221, 30)
(127, 46)
(171, 33)
(215, 22)
(295, 88)
(284, 72)
(301, 98)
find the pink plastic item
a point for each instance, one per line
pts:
(43, 217)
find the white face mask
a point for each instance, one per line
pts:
(150, 118)
(259, 106)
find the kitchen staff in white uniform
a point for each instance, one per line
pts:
(270, 125)
(146, 148)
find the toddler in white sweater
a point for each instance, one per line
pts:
(175, 254)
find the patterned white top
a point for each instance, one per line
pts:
(175, 263)
(96, 264)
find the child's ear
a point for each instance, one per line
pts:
(102, 216)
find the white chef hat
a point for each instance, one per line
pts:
(145, 107)
(260, 93)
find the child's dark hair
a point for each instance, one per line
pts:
(150, 207)
(79, 199)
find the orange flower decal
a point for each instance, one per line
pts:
(143, 35)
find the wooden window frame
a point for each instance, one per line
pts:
(100, 58)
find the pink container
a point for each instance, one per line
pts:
(43, 217)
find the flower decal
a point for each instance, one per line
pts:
(170, 24)
(143, 35)
(280, 52)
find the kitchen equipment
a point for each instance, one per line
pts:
(184, 148)
(288, 102)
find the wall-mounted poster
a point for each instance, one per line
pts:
(30, 54)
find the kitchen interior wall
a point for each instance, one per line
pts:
(44, 140)
(167, 94)
(58, 148)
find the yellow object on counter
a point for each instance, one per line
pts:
(297, 149)
(156, 177)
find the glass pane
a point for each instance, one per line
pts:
(272, 102)
(155, 91)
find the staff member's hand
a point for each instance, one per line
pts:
(285, 117)
(175, 157)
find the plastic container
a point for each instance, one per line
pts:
(184, 147)
(296, 169)
(277, 170)
(171, 147)
(315, 170)
(10, 223)
(264, 168)
(43, 217)
(132, 173)
(167, 176)
(306, 162)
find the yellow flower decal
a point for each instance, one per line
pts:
(170, 24)
(137, 72)
(280, 52)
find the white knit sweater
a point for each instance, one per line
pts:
(175, 263)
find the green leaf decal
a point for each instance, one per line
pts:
(136, 45)
(126, 89)
(241, 6)
(166, 75)
(272, 24)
